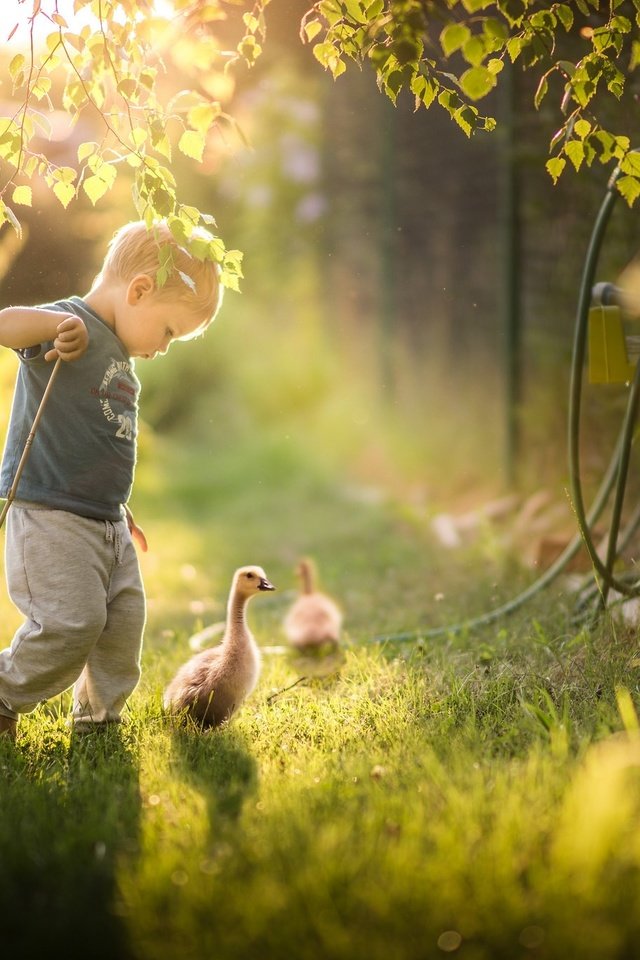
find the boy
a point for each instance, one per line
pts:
(71, 567)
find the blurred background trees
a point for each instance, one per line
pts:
(386, 257)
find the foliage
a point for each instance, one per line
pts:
(109, 62)
(453, 54)
(112, 65)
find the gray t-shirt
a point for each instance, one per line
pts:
(83, 455)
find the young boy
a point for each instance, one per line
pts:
(71, 567)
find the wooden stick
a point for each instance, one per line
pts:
(29, 441)
(273, 696)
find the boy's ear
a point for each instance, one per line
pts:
(141, 286)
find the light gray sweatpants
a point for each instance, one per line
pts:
(77, 582)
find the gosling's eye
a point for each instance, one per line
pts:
(249, 576)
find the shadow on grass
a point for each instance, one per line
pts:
(68, 813)
(218, 765)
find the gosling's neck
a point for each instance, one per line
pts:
(306, 576)
(236, 620)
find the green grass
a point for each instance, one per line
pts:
(476, 794)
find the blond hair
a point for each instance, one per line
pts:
(134, 249)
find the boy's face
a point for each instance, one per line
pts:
(147, 324)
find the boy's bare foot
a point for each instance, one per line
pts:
(8, 727)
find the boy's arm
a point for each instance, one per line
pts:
(22, 327)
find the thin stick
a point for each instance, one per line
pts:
(284, 689)
(29, 441)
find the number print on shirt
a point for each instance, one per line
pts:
(126, 427)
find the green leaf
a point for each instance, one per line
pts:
(608, 143)
(22, 195)
(514, 47)
(374, 9)
(184, 100)
(250, 21)
(425, 89)
(203, 116)
(393, 84)
(105, 171)
(41, 88)
(331, 11)
(495, 28)
(229, 280)
(474, 51)
(621, 24)
(629, 187)
(16, 66)
(355, 10)
(477, 82)
(65, 174)
(86, 149)
(192, 144)
(566, 67)
(582, 128)
(249, 49)
(323, 52)
(94, 187)
(541, 92)
(65, 192)
(127, 87)
(555, 166)
(453, 37)
(139, 135)
(42, 122)
(163, 146)
(565, 15)
(574, 149)
(407, 51)
(631, 164)
(337, 67)
(11, 217)
(311, 29)
(466, 119)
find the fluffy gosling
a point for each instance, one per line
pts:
(314, 619)
(212, 685)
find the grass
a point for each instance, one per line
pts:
(477, 794)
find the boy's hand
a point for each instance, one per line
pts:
(71, 339)
(136, 532)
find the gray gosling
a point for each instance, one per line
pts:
(314, 619)
(213, 684)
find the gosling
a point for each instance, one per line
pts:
(211, 686)
(314, 619)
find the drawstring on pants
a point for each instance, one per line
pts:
(112, 535)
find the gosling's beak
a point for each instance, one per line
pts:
(265, 584)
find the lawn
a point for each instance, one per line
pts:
(476, 794)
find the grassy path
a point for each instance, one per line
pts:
(478, 795)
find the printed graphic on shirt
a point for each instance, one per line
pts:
(117, 395)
